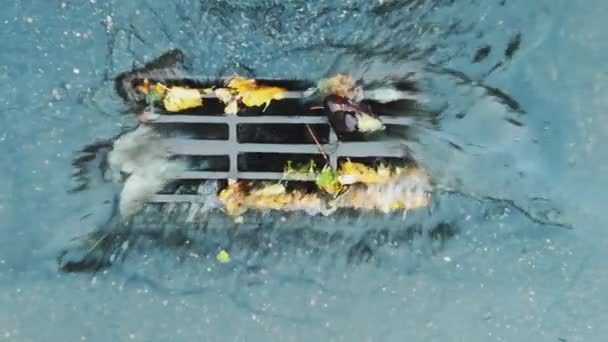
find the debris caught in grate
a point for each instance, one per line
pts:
(282, 144)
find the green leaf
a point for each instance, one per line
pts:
(289, 167)
(312, 166)
(327, 178)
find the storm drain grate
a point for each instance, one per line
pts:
(235, 148)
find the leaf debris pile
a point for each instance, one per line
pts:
(353, 185)
(238, 92)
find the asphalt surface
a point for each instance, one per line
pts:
(521, 87)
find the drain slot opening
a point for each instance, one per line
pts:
(271, 162)
(282, 133)
(208, 163)
(205, 131)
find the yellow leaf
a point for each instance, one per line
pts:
(396, 206)
(361, 173)
(231, 108)
(270, 190)
(241, 84)
(383, 171)
(207, 90)
(262, 96)
(223, 256)
(332, 188)
(226, 194)
(160, 89)
(253, 94)
(179, 98)
(223, 95)
(227, 97)
(368, 123)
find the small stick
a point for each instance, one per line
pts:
(314, 137)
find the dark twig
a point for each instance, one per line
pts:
(321, 149)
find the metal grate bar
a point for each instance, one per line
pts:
(333, 158)
(268, 119)
(244, 175)
(232, 138)
(339, 149)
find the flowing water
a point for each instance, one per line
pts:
(510, 251)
